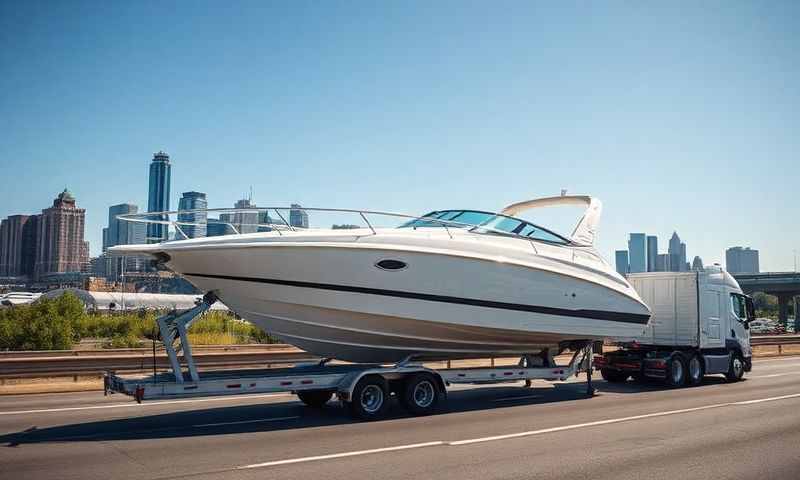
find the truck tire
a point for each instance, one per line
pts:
(676, 370)
(696, 370)
(315, 398)
(613, 376)
(735, 368)
(421, 394)
(370, 399)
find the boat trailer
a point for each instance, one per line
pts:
(316, 382)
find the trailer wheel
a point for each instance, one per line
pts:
(735, 368)
(370, 399)
(613, 376)
(421, 394)
(676, 370)
(696, 370)
(315, 398)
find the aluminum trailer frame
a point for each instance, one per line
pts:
(340, 379)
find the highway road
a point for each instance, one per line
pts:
(722, 431)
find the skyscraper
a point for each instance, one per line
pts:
(18, 245)
(158, 198)
(60, 247)
(697, 263)
(637, 252)
(298, 218)
(193, 201)
(652, 252)
(677, 254)
(621, 260)
(741, 260)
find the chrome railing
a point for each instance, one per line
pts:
(236, 225)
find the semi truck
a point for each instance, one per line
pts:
(699, 326)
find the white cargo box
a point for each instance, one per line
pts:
(673, 300)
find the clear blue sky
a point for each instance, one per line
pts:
(678, 116)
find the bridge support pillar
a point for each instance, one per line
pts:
(797, 314)
(783, 308)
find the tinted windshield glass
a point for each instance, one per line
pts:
(485, 222)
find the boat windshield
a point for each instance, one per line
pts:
(485, 222)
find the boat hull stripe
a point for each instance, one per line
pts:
(565, 312)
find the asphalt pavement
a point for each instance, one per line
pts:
(745, 430)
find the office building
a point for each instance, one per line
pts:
(637, 253)
(245, 222)
(662, 262)
(652, 252)
(158, 197)
(18, 245)
(298, 218)
(741, 260)
(621, 260)
(697, 263)
(198, 220)
(60, 247)
(121, 232)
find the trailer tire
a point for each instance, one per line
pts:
(315, 398)
(614, 376)
(676, 370)
(696, 370)
(735, 368)
(421, 394)
(370, 399)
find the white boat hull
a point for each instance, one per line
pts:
(330, 299)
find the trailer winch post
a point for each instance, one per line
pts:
(174, 325)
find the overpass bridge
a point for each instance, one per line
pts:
(784, 285)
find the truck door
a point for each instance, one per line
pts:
(737, 326)
(712, 306)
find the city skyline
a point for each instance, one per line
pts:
(364, 114)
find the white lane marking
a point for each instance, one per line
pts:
(512, 435)
(616, 420)
(260, 420)
(767, 360)
(146, 404)
(508, 399)
(770, 399)
(341, 455)
(772, 375)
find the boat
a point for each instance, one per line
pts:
(450, 284)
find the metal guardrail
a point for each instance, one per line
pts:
(774, 339)
(30, 367)
(147, 351)
(30, 364)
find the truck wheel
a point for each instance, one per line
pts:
(696, 371)
(676, 370)
(735, 368)
(370, 399)
(315, 398)
(421, 394)
(613, 376)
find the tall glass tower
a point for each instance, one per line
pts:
(637, 252)
(158, 199)
(193, 201)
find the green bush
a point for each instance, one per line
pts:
(54, 324)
